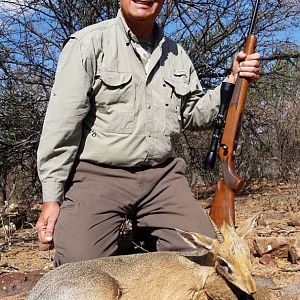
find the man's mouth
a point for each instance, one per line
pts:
(141, 2)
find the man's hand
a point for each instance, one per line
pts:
(247, 66)
(46, 222)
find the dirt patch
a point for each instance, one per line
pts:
(274, 268)
(21, 263)
(276, 265)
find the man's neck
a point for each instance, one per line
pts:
(141, 29)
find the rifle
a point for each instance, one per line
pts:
(233, 99)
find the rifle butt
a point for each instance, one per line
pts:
(222, 208)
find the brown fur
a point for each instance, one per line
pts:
(152, 276)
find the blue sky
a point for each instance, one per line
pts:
(294, 33)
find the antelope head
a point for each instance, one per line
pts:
(231, 254)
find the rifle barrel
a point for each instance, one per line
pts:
(254, 17)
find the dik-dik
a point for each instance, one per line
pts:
(154, 276)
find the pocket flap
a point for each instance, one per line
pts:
(180, 87)
(114, 78)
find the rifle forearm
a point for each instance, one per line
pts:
(233, 123)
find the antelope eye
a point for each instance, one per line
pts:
(225, 265)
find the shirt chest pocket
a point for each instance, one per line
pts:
(176, 89)
(114, 95)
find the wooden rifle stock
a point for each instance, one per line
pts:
(222, 209)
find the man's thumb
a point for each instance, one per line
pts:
(48, 235)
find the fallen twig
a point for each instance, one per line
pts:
(295, 269)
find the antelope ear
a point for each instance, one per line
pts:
(196, 240)
(246, 227)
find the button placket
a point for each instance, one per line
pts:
(149, 123)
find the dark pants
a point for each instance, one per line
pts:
(100, 198)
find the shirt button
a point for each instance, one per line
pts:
(149, 106)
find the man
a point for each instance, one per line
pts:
(122, 95)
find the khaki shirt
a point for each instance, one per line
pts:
(105, 108)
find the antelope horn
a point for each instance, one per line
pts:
(219, 234)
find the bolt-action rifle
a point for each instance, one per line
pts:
(225, 136)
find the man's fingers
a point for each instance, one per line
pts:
(250, 67)
(254, 56)
(241, 56)
(49, 229)
(45, 235)
(245, 65)
(47, 220)
(247, 69)
(48, 235)
(51, 223)
(46, 232)
(250, 63)
(249, 75)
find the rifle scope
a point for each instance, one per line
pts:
(226, 94)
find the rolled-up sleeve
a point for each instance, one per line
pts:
(62, 129)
